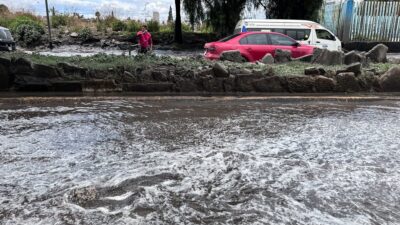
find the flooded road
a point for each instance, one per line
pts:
(212, 161)
(84, 51)
(77, 50)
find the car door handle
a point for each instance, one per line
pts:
(249, 49)
(318, 42)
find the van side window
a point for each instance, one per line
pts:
(324, 34)
(292, 34)
(296, 34)
(303, 35)
(277, 39)
(255, 39)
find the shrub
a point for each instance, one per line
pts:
(5, 22)
(85, 34)
(101, 26)
(59, 20)
(109, 20)
(133, 26)
(170, 27)
(167, 28)
(118, 25)
(28, 35)
(153, 26)
(186, 28)
(27, 30)
(25, 20)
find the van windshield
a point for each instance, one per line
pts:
(324, 34)
(5, 34)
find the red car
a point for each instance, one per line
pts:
(255, 45)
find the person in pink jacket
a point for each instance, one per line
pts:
(145, 40)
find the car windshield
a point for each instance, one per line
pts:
(228, 38)
(5, 34)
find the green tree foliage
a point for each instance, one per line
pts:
(290, 9)
(118, 25)
(195, 11)
(223, 15)
(153, 26)
(170, 16)
(3, 9)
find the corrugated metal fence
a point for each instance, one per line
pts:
(367, 21)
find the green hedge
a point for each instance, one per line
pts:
(27, 31)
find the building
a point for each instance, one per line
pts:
(156, 16)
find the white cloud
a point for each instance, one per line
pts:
(138, 9)
(135, 9)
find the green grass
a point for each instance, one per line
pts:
(106, 62)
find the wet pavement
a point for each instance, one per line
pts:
(93, 161)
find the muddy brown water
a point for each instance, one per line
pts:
(120, 161)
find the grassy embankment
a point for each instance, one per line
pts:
(109, 62)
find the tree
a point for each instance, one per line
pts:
(170, 17)
(290, 9)
(97, 14)
(178, 23)
(3, 9)
(195, 11)
(223, 15)
(53, 11)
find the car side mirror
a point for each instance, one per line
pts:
(296, 44)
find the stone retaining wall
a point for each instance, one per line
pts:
(394, 47)
(21, 75)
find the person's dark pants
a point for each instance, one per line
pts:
(143, 50)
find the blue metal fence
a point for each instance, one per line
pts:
(367, 21)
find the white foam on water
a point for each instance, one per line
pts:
(233, 163)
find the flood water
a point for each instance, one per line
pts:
(76, 50)
(199, 161)
(84, 51)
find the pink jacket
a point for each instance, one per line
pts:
(145, 40)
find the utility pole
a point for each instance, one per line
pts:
(48, 25)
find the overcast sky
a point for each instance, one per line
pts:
(135, 9)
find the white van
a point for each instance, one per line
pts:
(304, 31)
